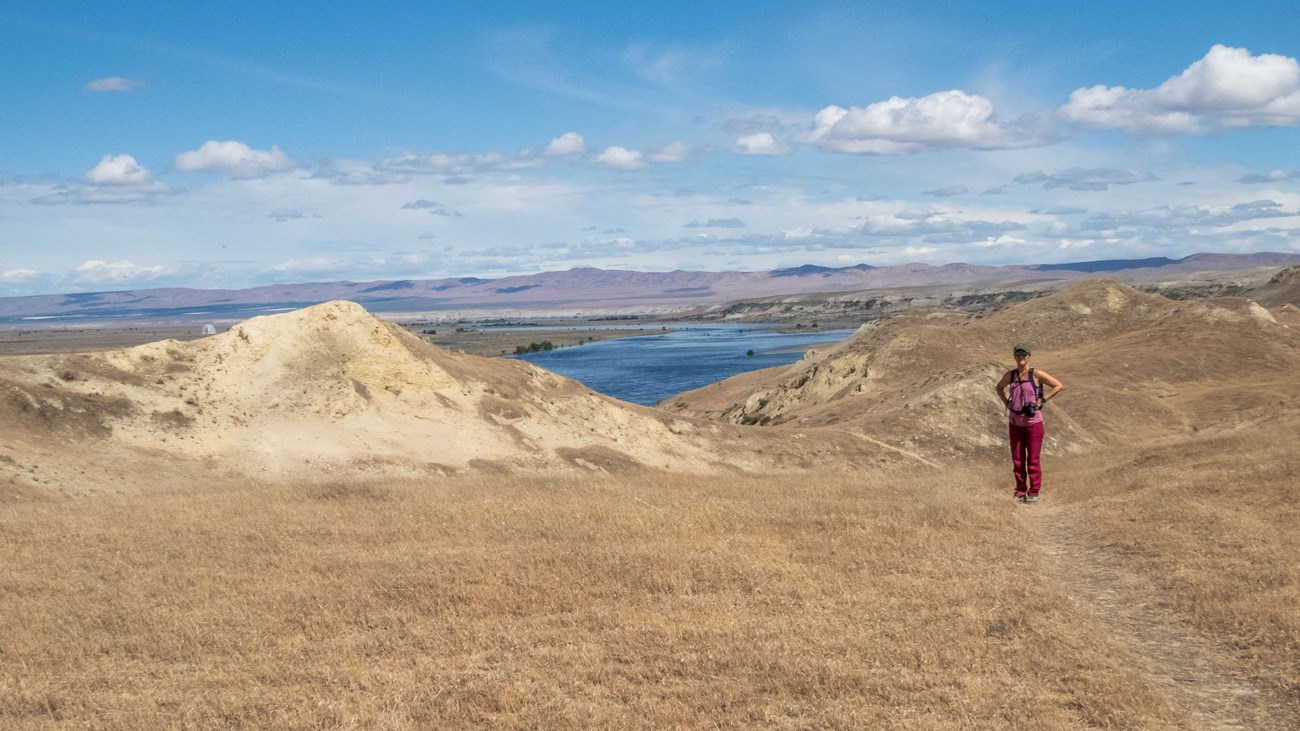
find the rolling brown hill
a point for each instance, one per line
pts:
(331, 390)
(1137, 366)
(1283, 289)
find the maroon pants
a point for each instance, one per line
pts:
(1026, 442)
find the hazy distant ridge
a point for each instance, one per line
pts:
(590, 287)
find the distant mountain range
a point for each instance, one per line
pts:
(592, 289)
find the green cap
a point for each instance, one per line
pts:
(1021, 346)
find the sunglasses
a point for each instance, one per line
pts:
(1021, 354)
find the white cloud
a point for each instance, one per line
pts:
(1227, 88)
(569, 143)
(946, 119)
(672, 152)
(234, 158)
(18, 275)
(113, 83)
(760, 143)
(119, 170)
(116, 179)
(621, 158)
(98, 271)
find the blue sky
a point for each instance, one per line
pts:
(235, 144)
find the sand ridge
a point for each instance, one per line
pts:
(331, 387)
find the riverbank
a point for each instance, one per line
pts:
(495, 343)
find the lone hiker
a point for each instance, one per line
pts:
(1024, 409)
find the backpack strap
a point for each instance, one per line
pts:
(1038, 387)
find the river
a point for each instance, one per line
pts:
(650, 368)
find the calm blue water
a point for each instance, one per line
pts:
(649, 369)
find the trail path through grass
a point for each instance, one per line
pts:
(1200, 679)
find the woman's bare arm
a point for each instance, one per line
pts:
(1046, 379)
(1002, 386)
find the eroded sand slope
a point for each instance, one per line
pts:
(331, 388)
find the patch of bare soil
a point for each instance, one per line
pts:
(1199, 677)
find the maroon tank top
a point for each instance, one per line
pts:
(1021, 393)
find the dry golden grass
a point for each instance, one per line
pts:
(893, 600)
(1207, 529)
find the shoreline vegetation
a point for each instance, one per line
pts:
(496, 343)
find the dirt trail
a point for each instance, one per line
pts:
(1200, 679)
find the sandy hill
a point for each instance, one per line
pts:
(1136, 366)
(330, 390)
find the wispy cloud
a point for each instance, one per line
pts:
(443, 164)
(113, 83)
(433, 207)
(1275, 176)
(1188, 217)
(1079, 179)
(948, 191)
(717, 223)
(98, 271)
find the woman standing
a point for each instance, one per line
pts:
(1024, 408)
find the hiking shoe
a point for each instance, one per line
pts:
(1021, 497)
(1031, 499)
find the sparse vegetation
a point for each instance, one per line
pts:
(992, 299)
(1206, 290)
(534, 347)
(506, 342)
